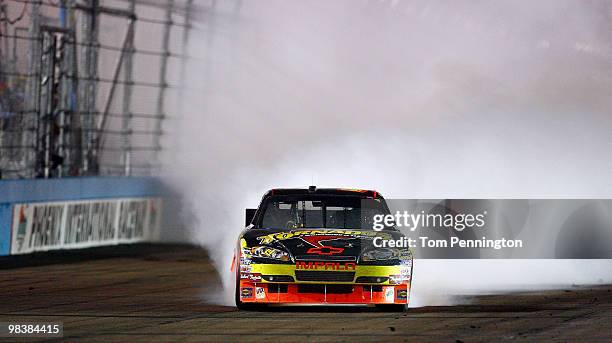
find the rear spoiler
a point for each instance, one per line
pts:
(249, 216)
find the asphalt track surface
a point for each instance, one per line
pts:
(149, 293)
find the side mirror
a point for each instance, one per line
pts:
(249, 216)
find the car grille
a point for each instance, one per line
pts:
(277, 288)
(372, 288)
(302, 275)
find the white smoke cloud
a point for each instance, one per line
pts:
(447, 282)
(457, 99)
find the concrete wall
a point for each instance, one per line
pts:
(67, 213)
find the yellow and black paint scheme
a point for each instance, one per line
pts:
(300, 265)
(277, 274)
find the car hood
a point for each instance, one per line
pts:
(320, 243)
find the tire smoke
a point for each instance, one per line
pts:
(462, 99)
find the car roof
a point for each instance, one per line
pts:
(324, 191)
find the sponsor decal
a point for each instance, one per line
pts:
(402, 294)
(246, 292)
(398, 279)
(405, 255)
(255, 277)
(405, 272)
(389, 294)
(326, 265)
(406, 262)
(281, 236)
(260, 293)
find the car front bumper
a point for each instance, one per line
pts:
(263, 283)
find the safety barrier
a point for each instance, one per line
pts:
(68, 213)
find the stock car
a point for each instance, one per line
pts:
(316, 246)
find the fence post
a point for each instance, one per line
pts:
(126, 124)
(88, 93)
(163, 82)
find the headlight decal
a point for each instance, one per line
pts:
(385, 254)
(268, 252)
(380, 254)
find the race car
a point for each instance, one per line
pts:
(317, 246)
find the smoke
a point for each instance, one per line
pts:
(448, 282)
(462, 99)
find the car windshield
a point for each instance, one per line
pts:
(320, 211)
